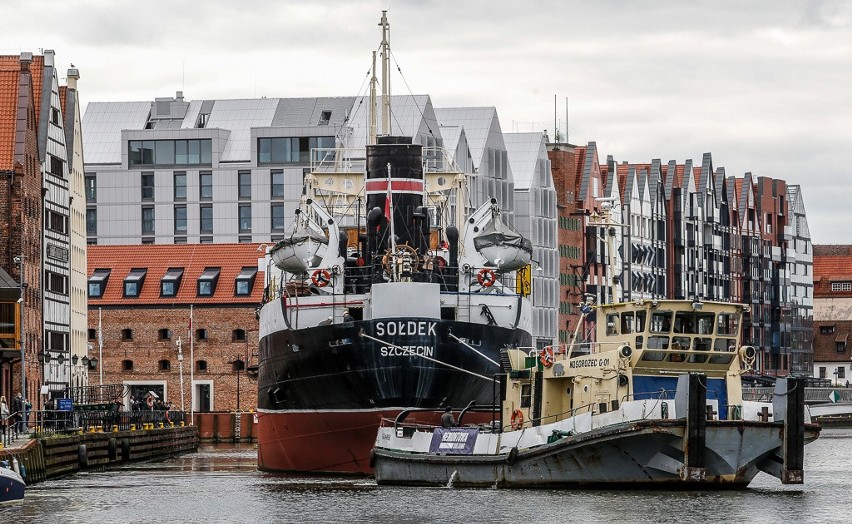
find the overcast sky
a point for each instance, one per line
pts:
(765, 86)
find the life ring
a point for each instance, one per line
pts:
(321, 278)
(546, 356)
(517, 419)
(486, 277)
(150, 401)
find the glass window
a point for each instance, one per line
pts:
(91, 188)
(725, 344)
(658, 342)
(661, 322)
(206, 151)
(245, 281)
(193, 155)
(277, 184)
(206, 218)
(205, 185)
(181, 156)
(91, 221)
(147, 186)
(727, 323)
(133, 282)
(277, 217)
(165, 152)
(207, 281)
(147, 219)
(180, 185)
(627, 322)
(147, 152)
(245, 217)
(244, 182)
(180, 219)
(97, 282)
(612, 324)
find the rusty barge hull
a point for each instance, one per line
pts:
(629, 455)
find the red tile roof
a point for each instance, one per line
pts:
(192, 258)
(8, 115)
(833, 262)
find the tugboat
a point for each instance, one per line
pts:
(658, 401)
(410, 303)
(11, 484)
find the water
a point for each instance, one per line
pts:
(221, 484)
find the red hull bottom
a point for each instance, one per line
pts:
(318, 442)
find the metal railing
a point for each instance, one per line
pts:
(51, 422)
(102, 394)
(812, 395)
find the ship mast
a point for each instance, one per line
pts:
(386, 121)
(373, 82)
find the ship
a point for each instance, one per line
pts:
(388, 293)
(657, 402)
(12, 485)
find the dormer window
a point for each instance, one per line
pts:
(97, 283)
(325, 118)
(170, 282)
(133, 282)
(207, 282)
(245, 281)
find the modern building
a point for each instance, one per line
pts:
(179, 321)
(39, 251)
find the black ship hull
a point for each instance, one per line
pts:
(323, 390)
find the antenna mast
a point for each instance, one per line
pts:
(373, 82)
(386, 91)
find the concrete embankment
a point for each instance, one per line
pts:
(59, 455)
(226, 427)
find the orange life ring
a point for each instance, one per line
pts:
(486, 277)
(517, 419)
(546, 356)
(321, 278)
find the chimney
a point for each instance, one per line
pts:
(72, 77)
(179, 96)
(26, 60)
(48, 57)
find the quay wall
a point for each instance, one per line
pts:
(226, 426)
(57, 456)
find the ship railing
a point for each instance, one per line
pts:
(813, 395)
(338, 160)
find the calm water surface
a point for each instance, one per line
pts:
(221, 484)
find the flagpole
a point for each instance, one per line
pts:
(191, 371)
(100, 349)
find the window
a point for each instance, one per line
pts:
(201, 334)
(133, 282)
(147, 187)
(841, 286)
(206, 218)
(841, 372)
(170, 152)
(54, 116)
(840, 346)
(170, 282)
(277, 217)
(207, 281)
(147, 219)
(205, 185)
(97, 283)
(238, 365)
(277, 184)
(180, 185)
(91, 221)
(91, 187)
(164, 334)
(164, 365)
(290, 150)
(245, 218)
(245, 281)
(822, 372)
(93, 334)
(826, 330)
(244, 183)
(325, 117)
(201, 365)
(126, 334)
(180, 220)
(57, 166)
(56, 222)
(56, 283)
(239, 335)
(56, 341)
(127, 365)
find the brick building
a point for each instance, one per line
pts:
(141, 300)
(833, 312)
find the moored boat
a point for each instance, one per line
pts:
(657, 401)
(381, 300)
(12, 486)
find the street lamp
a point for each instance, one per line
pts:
(22, 301)
(239, 365)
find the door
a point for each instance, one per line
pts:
(203, 396)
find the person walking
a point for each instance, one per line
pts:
(17, 412)
(4, 413)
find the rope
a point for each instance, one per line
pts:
(468, 346)
(410, 352)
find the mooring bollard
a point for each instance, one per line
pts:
(133, 427)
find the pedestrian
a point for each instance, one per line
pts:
(17, 411)
(347, 317)
(4, 413)
(27, 408)
(447, 419)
